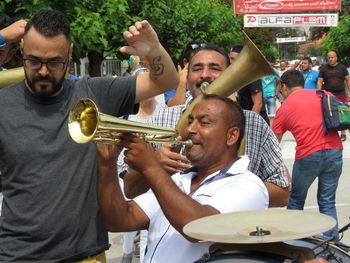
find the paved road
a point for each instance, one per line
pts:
(288, 145)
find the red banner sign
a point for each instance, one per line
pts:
(284, 6)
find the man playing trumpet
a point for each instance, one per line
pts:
(219, 182)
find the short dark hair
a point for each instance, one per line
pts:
(235, 114)
(212, 48)
(49, 23)
(308, 59)
(293, 78)
(271, 58)
(237, 48)
(5, 20)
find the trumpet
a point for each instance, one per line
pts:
(86, 123)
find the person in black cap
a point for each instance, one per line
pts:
(250, 97)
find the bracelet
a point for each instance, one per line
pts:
(2, 41)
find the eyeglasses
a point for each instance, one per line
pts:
(200, 45)
(36, 64)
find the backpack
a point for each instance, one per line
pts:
(336, 115)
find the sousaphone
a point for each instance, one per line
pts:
(10, 76)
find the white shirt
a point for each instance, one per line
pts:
(238, 190)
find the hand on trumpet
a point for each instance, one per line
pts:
(108, 153)
(163, 159)
(172, 162)
(139, 155)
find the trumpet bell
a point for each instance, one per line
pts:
(86, 123)
(83, 121)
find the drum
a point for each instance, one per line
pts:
(322, 249)
(241, 257)
(295, 251)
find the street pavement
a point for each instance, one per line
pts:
(114, 254)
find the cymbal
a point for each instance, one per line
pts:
(260, 226)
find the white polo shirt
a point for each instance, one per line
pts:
(235, 190)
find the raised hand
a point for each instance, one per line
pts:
(14, 32)
(141, 38)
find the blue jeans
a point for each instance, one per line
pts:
(327, 166)
(271, 105)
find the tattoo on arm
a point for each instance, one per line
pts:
(157, 68)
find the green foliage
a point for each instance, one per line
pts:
(338, 40)
(98, 27)
(262, 37)
(271, 50)
(179, 22)
(318, 32)
(313, 51)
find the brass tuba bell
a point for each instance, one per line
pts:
(86, 123)
(10, 76)
(249, 66)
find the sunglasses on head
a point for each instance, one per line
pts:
(200, 45)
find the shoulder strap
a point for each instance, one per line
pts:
(322, 94)
(307, 76)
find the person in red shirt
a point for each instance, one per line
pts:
(317, 155)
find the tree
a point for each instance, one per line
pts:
(313, 51)
(263, 37)
(180, 21)
(318, 32)
(97, 30)
(97, 26)
(338, 39)
(288, 50)
(271, 50)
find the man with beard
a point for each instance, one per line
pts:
(262, 146)
(218, 182)
(310, 75)
(50, 210)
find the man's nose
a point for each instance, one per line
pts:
(206, 74)
(191, 128)
(43, 70)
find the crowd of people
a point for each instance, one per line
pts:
(60, 198)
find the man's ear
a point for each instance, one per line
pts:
(232, 136)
